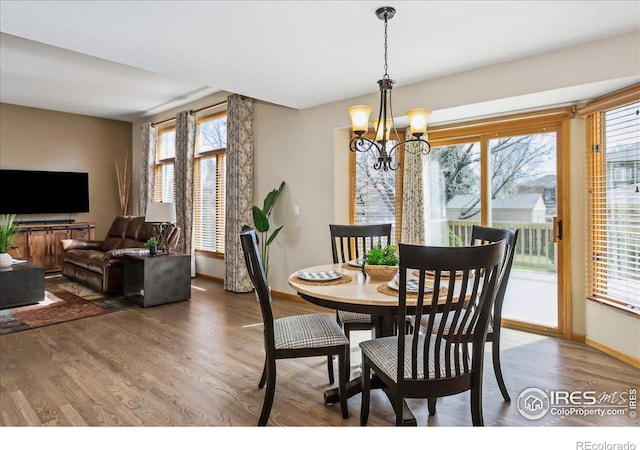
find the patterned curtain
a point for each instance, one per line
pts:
(239, 189)
(413, 198)
(147, 168)
(185, 150)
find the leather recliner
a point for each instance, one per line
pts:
(98, 264)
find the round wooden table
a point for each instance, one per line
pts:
(359, 295)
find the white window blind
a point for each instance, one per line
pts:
(165, 160)
(209, 183)
(374, 198)
(614, 206)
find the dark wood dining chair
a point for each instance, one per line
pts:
(483, 235)
(433, 364)
(294, 336)
(348, 243)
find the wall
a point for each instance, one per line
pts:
(308, 150)
(38, 139)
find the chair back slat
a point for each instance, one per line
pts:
(255, 268)
(350, 242)
(470, 275)
(485, 235)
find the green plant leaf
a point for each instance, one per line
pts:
(8, 232)
(260, 220)
(271, 198)
(274, 234)
(382, 256)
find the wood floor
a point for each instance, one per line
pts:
(198, 363)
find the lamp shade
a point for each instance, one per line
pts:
(160, 212)
(418, 119)
(360, 117)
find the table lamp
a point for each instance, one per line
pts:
(162, 214)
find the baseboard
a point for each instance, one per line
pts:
(635, 362)
(280, 294)
(578, 337)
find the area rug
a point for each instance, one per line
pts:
(64, 300)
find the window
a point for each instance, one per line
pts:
(502, 172)
(373, 192)
(614, 206)
(165, 163)
(209, 183)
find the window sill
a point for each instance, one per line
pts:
(628, 309)
(209, 254)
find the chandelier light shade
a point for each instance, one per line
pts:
(382, 143)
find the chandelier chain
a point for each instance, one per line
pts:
(386, 53)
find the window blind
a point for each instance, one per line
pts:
(165, 159)
(614, 205)
(373, 192)
(209, 183)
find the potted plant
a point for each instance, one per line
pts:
(261, 223)
(381, 263)
(152, 245)
(8, 233)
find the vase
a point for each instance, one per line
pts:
(5, 260)
(153, 250)
(383, 273)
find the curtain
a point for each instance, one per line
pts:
(147, 168)
(185, 151)
(413, 231)
(239, 189)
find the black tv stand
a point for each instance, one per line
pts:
(42, 222)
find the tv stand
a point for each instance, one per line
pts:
(41, 222)
(39, 241)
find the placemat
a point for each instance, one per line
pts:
(350, 267)
(344, 279)
(385, 289)
(445, 275)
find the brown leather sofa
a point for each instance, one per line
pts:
(98, 264)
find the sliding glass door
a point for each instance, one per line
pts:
(506, 176)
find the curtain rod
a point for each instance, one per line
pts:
(196, 111)
(193, 113)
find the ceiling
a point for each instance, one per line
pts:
(126, 60)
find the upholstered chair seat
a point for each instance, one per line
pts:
(348, 317)
(307, 331)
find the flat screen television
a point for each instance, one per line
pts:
(43, 192)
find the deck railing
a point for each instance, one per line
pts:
(535, 248)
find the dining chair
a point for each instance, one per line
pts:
(482, 235)
(349, 243)
(291, 337)
(433, 364)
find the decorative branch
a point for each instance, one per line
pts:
(124, 185)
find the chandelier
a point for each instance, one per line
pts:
(418, 119)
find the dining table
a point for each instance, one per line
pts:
(351, 290)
